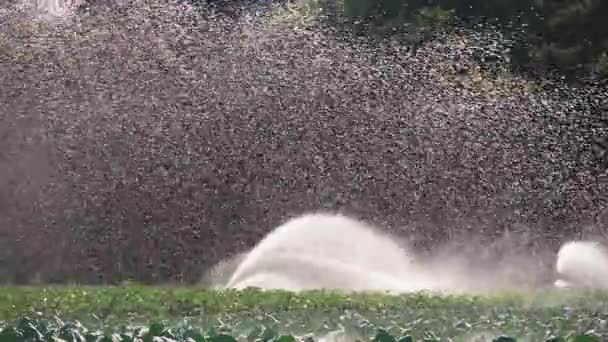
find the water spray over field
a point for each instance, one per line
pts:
(333, 251)
(325, 251)
(150, 141)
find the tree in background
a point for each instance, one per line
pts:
(575, 35)
(569, 35)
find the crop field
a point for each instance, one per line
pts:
(139, 313)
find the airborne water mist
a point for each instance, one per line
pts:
(334, 251)
(62, 9)
(148, 142)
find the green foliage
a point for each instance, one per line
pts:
(435, 15)
(575, 35)
(385, 9)
(39, 330)
(253, 315)
(56, 330)
(357, 8)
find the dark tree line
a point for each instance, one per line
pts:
(569, 35)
